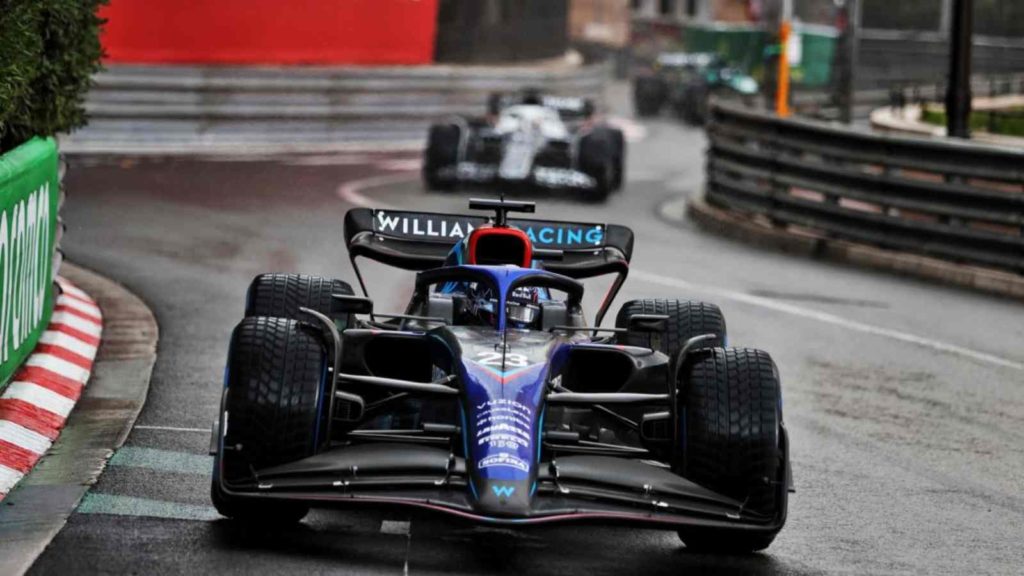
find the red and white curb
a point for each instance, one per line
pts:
(36, 403)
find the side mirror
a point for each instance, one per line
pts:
(346, 304)
(649, 323)
(656, 427)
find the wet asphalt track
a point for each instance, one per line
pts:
(905, 400)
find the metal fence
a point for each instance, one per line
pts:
(951, 199)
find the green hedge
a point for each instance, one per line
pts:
(48, 51)
(1008, 123)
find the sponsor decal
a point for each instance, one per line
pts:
(441, 227)
(25, 259)
(504, 427)
(567, 103)
(562, 178)
(503, 491)
(422, 226)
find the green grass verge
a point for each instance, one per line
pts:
(1009, 123)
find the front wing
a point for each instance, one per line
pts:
(600, 489)
(539, 177)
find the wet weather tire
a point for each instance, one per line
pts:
(619, 155)
(686, 319)
(442, 152)
(272, 408)
(597, 160)
(731, 412)
(282, 295)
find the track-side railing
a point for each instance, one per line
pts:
(951, 199)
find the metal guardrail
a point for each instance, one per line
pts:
(950, 199)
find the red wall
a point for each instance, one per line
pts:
(271, 31)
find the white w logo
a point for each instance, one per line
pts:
(505, 491)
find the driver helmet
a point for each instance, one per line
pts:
(522, 309)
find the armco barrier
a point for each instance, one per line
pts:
(197, 108)
(951, 199)
(29, 202)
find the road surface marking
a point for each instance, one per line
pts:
(163, 460)
(99, 503)
(351, 191)
(827, 318)
(632, 130)
(173, 429)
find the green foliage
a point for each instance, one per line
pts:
(1009, 122)
(49, 49)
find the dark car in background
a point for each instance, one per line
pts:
(684, 82)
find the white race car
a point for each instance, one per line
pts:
(527, 140)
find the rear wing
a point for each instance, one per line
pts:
(419, 241)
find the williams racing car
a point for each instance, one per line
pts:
(527, 140)
(490, 398)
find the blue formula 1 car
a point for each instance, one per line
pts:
(491, 399)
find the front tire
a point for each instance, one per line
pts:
(442, 152)
(273, 410)
(283, 295)
(731, 427)
(619, 154)
(596, 159)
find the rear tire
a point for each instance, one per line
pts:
(732, 439)
(686, 319)
(649, 94)
(272, 406)
(282, 296)
(694, 105)
(442, 152)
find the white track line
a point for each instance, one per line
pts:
(632, 130)
(173, 429)
(827, 318)
(351, 192)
